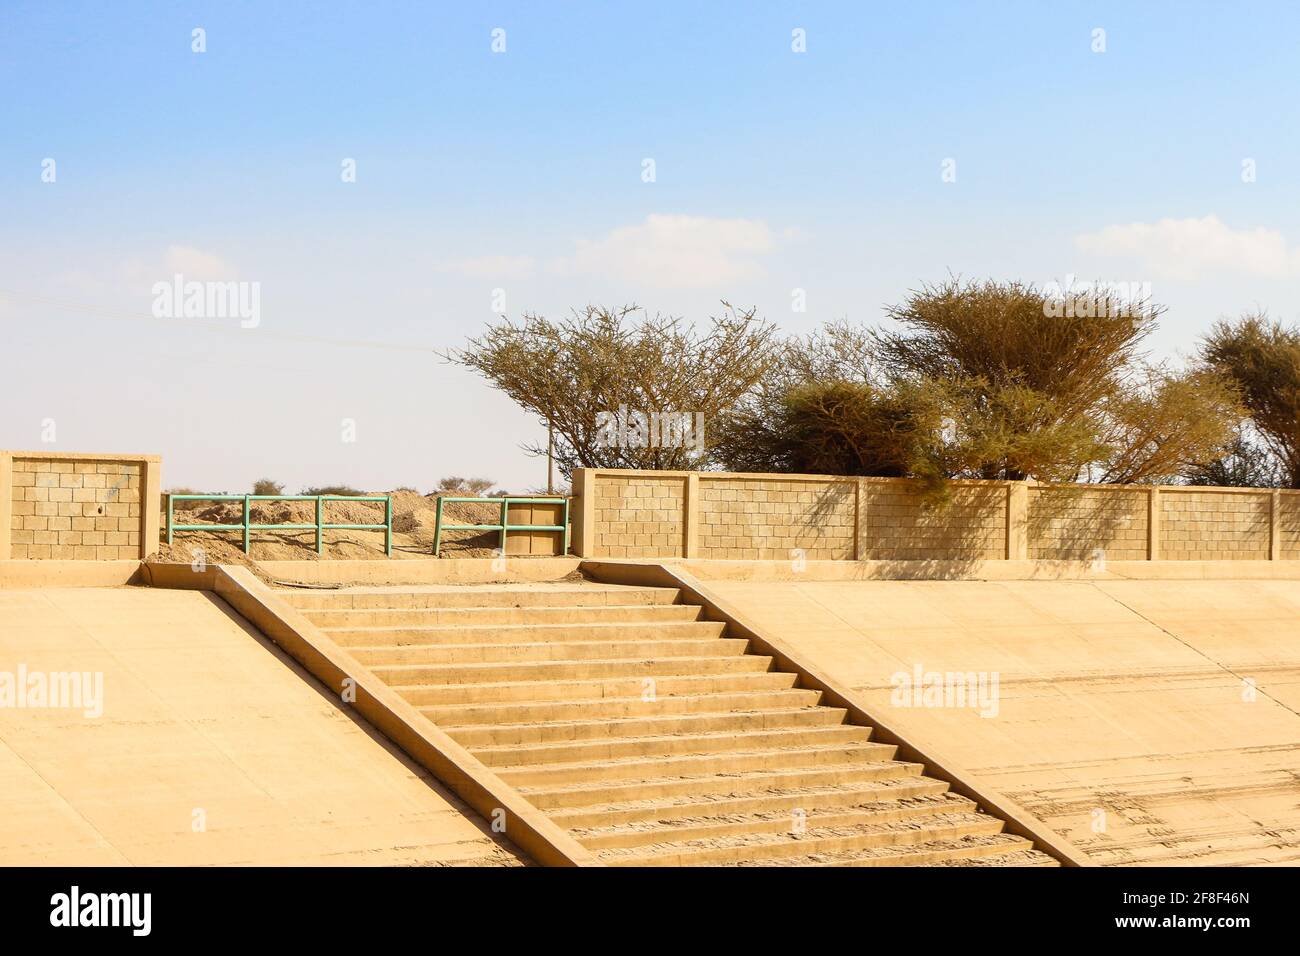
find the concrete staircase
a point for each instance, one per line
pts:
(650, 735)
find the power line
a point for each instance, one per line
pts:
(213, 325)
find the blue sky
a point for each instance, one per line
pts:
(522, 172)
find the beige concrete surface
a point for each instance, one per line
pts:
(203, 718)
(431, 571)
(25, 574)
(1148, 722)
(1026, 570)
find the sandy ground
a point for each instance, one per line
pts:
(210, 747)
(1148, 722)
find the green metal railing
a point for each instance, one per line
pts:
(504, 527)
(320, 526)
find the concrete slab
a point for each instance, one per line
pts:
(1149, 722)
(202, 719)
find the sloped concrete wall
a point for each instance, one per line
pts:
(1149, 722)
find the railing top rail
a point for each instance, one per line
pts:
(511, 499)
(223, 497)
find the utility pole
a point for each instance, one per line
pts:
(550, 458)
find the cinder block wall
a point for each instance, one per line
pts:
(897, 525)
(78, 507)
(659, 514)
(641, 515)
(1071, 523)
(1289, 525)
(1215, 525)
(766, 518)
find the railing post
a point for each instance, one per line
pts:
(505, 518)
(6, 505)
(584, 519)
(388, 525)
(1153, 523)
(320, 530)
(150, 506)
(861, 543)
(248, 520)
(170, 520)
(437, 528)
(1017, 520)
(691, 517)
(1275, 526)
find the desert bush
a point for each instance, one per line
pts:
(464, 487)
(332, 490)
(265, 486)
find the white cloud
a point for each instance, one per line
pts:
(197, 265)
(1192, 248)
(675, 251)
(492, 267)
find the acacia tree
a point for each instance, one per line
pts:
(984, 380)
(1168, 424)
(1034, 370)
(587, 375)
(1246, 463)
(1262, 357)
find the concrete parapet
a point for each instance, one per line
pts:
(799, 518)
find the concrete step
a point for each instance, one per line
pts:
(931, 853)
(527, 595)
(653, 738)
(693, 807)
(586, 670)
(723, 763)
(524, 633)
(657, 687)
(1022, 857)
(441, 616)
(539, 714)
(573, 651)
(739, 720)
(721, 850)
(787, 821)
(614, 748)
(547, 797)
